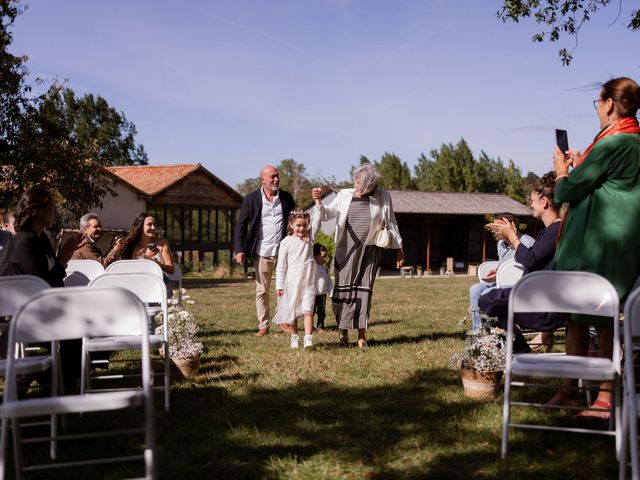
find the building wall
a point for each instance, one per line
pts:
(119, 212)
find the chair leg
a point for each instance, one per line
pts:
(4, 427)
(622, 464)
(84, 362)
(167, 377)
(17, 448)
(617, 400)
(506, 413)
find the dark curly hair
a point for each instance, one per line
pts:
(295, 214)
(545, 186)
(32, 204)
(134, 235)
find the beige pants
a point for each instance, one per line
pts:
(264, 269)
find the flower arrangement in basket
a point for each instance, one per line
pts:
(184, 349)
(483, 359)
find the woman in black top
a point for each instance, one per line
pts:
(539, 256)
(30, 252)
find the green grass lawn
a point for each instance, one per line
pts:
(394, 410)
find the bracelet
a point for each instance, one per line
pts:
(558, 177)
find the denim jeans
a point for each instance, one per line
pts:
(475, 292)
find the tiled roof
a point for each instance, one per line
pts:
(455, 203)
(153, 179)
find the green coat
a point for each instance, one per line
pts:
(601, 233)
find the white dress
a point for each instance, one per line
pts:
(296, 276)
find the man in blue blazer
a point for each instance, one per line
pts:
(261, 225)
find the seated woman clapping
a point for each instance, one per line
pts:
(537, 257)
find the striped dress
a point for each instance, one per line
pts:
(353, 284)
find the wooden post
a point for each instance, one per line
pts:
(428, 265)
(484, 245)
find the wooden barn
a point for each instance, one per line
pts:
(195, 209)
(438, 225)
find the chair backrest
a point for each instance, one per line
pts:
(75, 312)
(16, 290)
(135, 266)
(509, 272)
(567, 292)
(176, 276)
(632, 317)
(81, 272)
(146, 286)
(486, 267)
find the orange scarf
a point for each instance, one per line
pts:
(624, 125)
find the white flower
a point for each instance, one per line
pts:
(183, 329)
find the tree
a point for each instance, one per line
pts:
(95, 120)
(394, 174)
(453, 168)
(54, 139)
(562, 16)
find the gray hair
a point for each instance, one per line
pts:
(369, 178)
(84, 220)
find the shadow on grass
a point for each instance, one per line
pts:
(262, 433)
(419, 338)
(197, 283)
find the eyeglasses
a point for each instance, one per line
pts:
(596, 102)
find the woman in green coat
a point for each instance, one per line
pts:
(602, 225)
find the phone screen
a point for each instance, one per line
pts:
(562, 140)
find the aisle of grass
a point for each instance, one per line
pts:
(394, 410)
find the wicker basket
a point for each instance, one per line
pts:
(188, 366)
(480, 385)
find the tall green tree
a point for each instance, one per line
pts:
(394, 173)
(54, 139)
(95, 120)
(561, 17)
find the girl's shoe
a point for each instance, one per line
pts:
(295, 341)
(308, 341)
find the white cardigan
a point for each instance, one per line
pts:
(379, 202)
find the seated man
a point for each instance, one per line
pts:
(505, 252)
(87, 248)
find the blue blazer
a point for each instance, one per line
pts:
(246, 234)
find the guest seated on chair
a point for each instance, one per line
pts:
(495, 303)
(87, 249)
(505, 252)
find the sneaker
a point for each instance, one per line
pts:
(295, 341)
(308, 341)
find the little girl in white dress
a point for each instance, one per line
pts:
(295, 277)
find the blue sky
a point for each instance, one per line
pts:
(235, 85)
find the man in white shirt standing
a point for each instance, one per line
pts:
(262, 223)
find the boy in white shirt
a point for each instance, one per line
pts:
(323, 285)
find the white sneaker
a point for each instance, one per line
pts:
(295, 341)
(308, 341)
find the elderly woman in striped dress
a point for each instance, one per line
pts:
(360, 212)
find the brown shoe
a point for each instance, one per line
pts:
(262, 332)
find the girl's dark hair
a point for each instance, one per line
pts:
(625, 93)
(295, 214)
(544, 187)
(509, 217)
(133, 236)
(31, 205)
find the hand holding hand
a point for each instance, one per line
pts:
(279, 292)
(316, 194)
(503, 230)
(240, 258)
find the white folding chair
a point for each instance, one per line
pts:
(562, 292)
(63, 314)
(631, 326)
(15, 291)
(81, 272)
(509, 272)
(176, 276)
(486, 267)
(152, 291)
(135, 266)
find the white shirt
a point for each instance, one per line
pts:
(270, 231)
(323, 280)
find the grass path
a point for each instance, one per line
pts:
(395, 410)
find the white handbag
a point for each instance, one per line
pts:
(383, 235)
